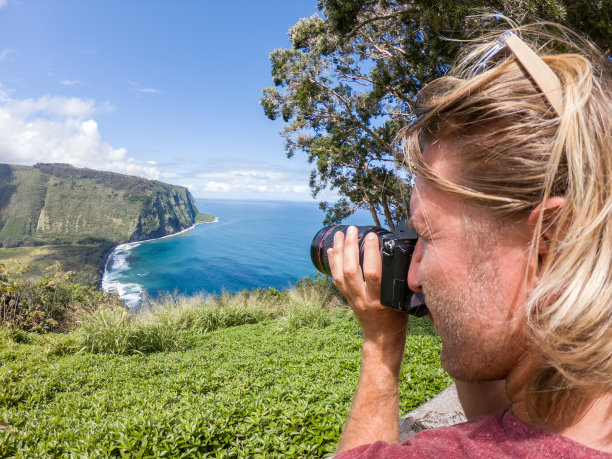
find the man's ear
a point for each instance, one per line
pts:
(548, 211)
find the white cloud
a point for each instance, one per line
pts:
(139, 88)
(47, 106)
(262, 180)
(70, 82)
(5, 52)
(61, 129)
(3, 3)
(215, 187)
(252, 175)
(165, 174)
(64, 129)
(148, 90)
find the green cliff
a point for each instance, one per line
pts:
(60, 205)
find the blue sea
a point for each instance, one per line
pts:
(252, 244)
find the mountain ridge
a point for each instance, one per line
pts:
(56, 204)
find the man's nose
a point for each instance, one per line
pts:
(413, 272)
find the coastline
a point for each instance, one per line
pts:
(127, 246)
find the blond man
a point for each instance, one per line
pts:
(512, 200)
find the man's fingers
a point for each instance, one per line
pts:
(372, 267)
(336, 262)
(352, 270)
(360, 286)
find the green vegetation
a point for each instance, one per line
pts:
(348, 84)
(50, 201)
(78, 215)
(50, 304)
(264, 373)
(82, 259)
(204, 218)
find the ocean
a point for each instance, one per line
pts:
(252, 244)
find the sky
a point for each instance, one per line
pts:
(166, 90)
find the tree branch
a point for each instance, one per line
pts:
(374, 19)
(354, 119)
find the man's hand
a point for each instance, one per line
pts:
(381, 326)
(375, 411)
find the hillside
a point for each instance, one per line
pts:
(60, 205)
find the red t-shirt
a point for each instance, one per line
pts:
(502, 436)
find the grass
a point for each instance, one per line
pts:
(256, 374)
(85, 260)
(27, 256)
(16, 214)
(204, 218)
(159, 325)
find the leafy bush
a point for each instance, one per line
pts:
(9, 292)
(311, 302)
(246, 307)
(50, 304)
(323, 288)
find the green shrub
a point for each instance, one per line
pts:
(58, 345)
(117, 331)
(50, 304)
(205, 314)
(159, 325)
(15, 335)
(300, 316)
(323, 288)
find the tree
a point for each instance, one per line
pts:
(593, 18)
(348, 85)
(343, 127)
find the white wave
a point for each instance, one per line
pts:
(129, 292)
(117, 263)
(118, 258)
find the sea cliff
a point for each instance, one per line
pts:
(59, 205)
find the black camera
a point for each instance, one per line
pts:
(396, 252)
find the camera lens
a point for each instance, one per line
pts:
(324, 240)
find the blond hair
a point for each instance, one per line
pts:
(515, 151)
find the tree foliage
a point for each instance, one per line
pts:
(348, 83)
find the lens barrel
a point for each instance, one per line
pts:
(324, 240)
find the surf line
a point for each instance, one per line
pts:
(119, 255)
(175, 234)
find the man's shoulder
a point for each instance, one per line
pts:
(490, 436)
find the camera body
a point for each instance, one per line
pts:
(396, 252)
